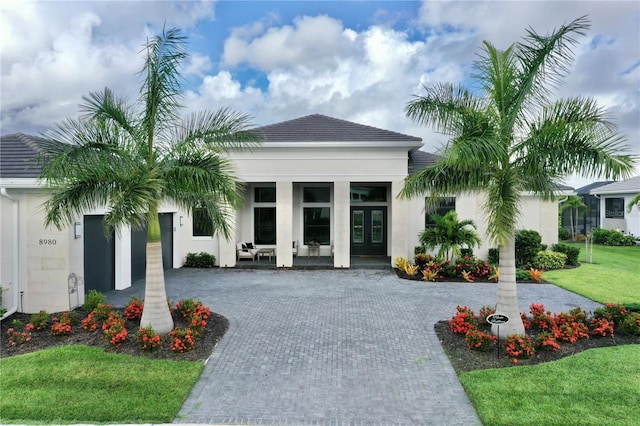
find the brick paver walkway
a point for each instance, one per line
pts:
(332, 346)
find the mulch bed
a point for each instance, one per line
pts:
(216, 327)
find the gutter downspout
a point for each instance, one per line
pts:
(16, 247)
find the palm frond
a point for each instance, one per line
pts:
(223, 130)
(502, 205)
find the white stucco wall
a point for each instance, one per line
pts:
(630, 224)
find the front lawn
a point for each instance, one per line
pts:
(82, 384)
(613, 277)
(595, 387)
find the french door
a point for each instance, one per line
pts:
(368, 231)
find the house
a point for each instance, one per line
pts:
(614, 199)
(589, 218)
(324, 185)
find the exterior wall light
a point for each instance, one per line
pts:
(77, 230)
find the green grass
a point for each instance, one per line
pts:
(81, 384)
(595, 387)
(613, 277)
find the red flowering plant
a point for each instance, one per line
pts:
(484, 312)
(572, 332)
(630, 324)
(90, 323)
(479, 340)
(63, 325)
(148, 339)
(546, 341)
(612, 312)
(133, 311)
(102, 311)
(526, 322)
(114, 329)
(518, 346)
(463, 321)
(17, 336)
(182, 340)
(40, 321)
(601, 327)
(536, 309)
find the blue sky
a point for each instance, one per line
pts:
(356, 60)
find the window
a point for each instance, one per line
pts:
(316, 214)
(202, 226)
(264, 215)
(317, 225)
(443, 207)
(614, 208)
(368, 194)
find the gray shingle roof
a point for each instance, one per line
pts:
(321, 128)
(420, 159)
(629, 186)
(586, 190)
(17, 156)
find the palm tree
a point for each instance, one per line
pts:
(573, 202)
(508, 138)
(130, 157)
(449, 234)
(635, 201)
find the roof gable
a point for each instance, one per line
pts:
(629, 186)
(321, 128)
(17, 156)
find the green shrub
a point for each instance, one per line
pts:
(40, 321)
(631, 324)
(563, 234)
(494, 256)
(549, 260)
(571, 252)
(611, 237)
(528, 245)
(419, 250)
(200, 260)
(2, 310)
(422, 259)
(466, 252)
(522, 275)
(93, 299)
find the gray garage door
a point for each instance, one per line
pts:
(99, 256)
(139, 247)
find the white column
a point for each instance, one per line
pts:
(123, 258)
(399, 224)
(227, 258)
(342, 224)
(284, 224)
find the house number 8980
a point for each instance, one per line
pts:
(44, 242)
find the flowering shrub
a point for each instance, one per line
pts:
(518, 346)
(536, 274)
(612, 312)
(484, 312)
(188, 308)
(102, 311)
(90, 323)
(526, 322)
(422, 259)
(479, 340)
(601, 327)
(133, 310)
(475, 267)
(148, 339)
(17, 336)
(546, 341)
(197, 325)
(631, 324)
(40, 321)
(536, 309)
(63, 324)
(464, 321)
(182, 340)
(572, 332)
(114, 329)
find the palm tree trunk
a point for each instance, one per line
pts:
(156, 310)
(573, 229)
(508, 292)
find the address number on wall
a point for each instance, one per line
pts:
(46, 242)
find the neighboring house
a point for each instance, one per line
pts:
(614, 199)
(313, 179)
(588, 218)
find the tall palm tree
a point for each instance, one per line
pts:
(449, 234)
(130, 157)
(575, 203)
(508, 138)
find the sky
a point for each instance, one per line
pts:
(361, 61)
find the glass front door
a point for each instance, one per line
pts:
(369, 231)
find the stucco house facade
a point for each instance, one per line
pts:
(614, 199)
(315, 183)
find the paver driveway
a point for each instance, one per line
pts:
(332, 346)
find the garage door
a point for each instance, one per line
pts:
(139, 247)
(99, 256)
